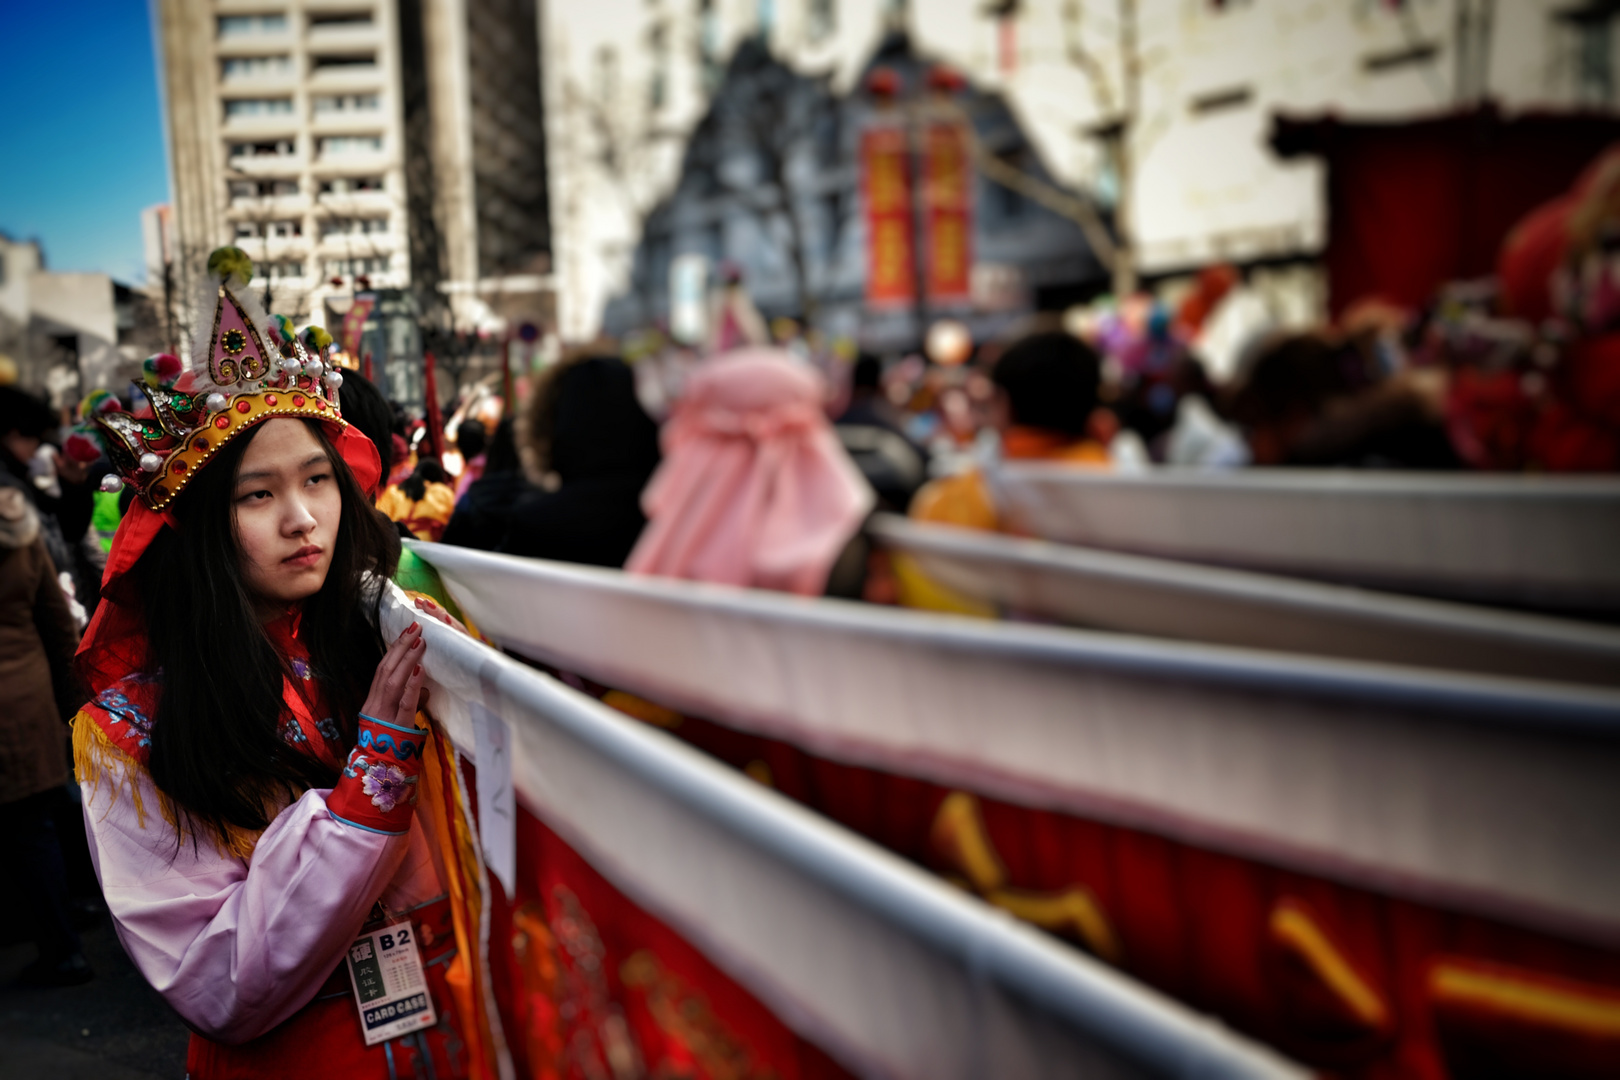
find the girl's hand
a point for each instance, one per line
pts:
(431, 608)
(397, 686)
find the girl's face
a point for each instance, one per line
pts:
(286, 506)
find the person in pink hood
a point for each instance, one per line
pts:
(754, 488)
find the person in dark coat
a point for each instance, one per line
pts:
(37, 641)
(483, 515)
(65, 509)
(873, 434)
(593, 448)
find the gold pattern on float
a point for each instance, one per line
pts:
(685, 1016)
(960, 837)
(1527, 997)
(1293, 928)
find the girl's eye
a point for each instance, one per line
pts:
(318, 477)
(254, 496)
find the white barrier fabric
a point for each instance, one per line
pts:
(1167, 598)
(1532, 540)
(887, 968)
(1486, 794)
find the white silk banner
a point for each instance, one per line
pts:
(888, 969)
(1167, 598)
(1485, 794)
(1535, 540)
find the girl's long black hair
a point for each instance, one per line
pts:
(216, 749)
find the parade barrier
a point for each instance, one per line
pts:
(891, 971)
(1526, 540)
(1169, 598)
(1490, 795)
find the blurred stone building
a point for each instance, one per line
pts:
(353, 146)
(775, 142)
(69, 333)
(1160, 109)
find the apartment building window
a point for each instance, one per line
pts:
(354, 226)
(245, 191)
(1225, 100)
(1594, 66)
(345, 145)
(231, 26)
(235, 107)
(709, 43)
(821, 19)
(345, 62)
(285, 229)
(347, 103)
(336, 20)
(834, 209)
(267, 148)
(349, 267)
(279, 271)
(658, 83)
(350, 185)
(1010, 205)
(255, 67)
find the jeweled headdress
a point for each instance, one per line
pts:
(245, 368)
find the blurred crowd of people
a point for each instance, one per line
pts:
(757, 461)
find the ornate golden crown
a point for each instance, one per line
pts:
(245, 369)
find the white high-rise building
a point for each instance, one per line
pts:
(390, 144)
(286, 139)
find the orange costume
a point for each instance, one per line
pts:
(426, 517)
(965, 500)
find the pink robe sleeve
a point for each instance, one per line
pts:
(238, 947)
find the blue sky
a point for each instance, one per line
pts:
(81, 131)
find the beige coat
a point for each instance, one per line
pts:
(37, 640)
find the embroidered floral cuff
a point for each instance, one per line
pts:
(377, 790)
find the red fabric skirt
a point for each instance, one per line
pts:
(324, 1039)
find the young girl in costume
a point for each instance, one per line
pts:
(251, 757)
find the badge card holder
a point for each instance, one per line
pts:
(389, 987)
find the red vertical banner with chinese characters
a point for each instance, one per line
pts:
(891, 278)
(354, 323)
(948, 201)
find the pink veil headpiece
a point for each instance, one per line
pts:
(755, 488)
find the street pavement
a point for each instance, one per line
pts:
(114, 1027)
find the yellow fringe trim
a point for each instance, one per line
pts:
(97, 757)
(442, 794)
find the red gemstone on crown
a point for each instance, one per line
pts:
(199, 444)
(242, 406)
(321, 405)
(179, 466)
(298, 401)
(222, 422)
(270, 399)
